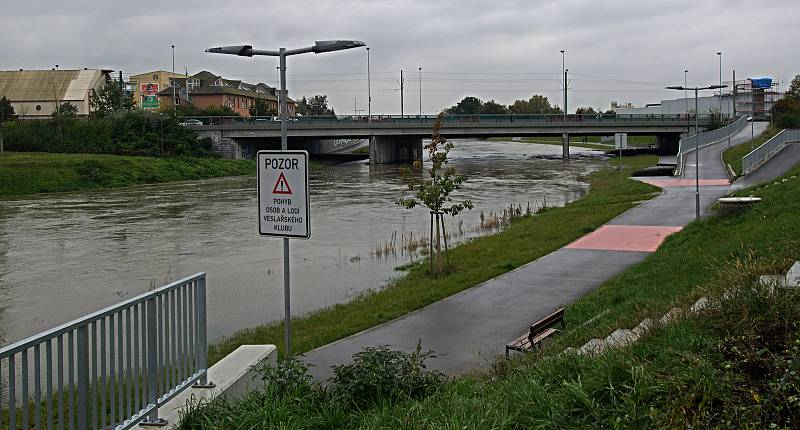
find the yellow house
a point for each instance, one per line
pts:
(146, 87)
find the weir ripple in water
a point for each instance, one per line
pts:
(65, 255)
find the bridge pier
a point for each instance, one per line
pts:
(667, 143)
(394, 149)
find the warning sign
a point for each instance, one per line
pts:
(281, 187)
(283, 204)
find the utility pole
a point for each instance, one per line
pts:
(121, 90)
(402, 83)
(174, 100)
(420, 92)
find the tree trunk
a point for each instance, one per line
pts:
(438, 246)
(430, 245)
(446, 250)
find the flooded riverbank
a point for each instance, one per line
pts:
(62, 256)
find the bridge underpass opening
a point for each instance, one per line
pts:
(395, 149)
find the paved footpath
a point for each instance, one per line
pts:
(470, 328)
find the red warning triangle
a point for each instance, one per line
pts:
(282, 186)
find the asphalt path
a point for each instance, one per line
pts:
(469, 329)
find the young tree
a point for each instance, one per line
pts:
(108, 99)
(434, 193)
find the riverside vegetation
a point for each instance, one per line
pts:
(525, 239)
(734, 365)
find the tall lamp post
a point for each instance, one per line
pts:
(248, 51)
(719, 54)
(564, 136)
(369, 91)
(696, 140)
(174, 102)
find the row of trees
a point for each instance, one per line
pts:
(536, 105)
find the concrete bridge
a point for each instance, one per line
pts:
(399, 139)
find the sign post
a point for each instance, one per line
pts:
(283, 208)
(620, 142)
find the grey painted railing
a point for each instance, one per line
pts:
(768, 148)
(112, 368)
(693, 142)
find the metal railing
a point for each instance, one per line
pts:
(768, 148)
(689, 144)
(431, 119)
(112, 368)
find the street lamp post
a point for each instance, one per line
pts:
(564, 136)
(174, 102)
(369, 91)
(719, 54)
(696, 140)
(248, 51)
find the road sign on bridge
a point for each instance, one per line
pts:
(283, 202)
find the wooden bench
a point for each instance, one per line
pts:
(538, 332)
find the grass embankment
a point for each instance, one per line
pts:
(733, 156)
(483, 258)
(736, 365)
(588, 142)
(35, 172)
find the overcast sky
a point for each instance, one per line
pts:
(624, 51)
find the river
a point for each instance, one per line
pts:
(65, 255)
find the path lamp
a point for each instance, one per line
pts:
(719, 54)
(696, 140)
(318, 48)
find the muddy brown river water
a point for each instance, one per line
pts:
(65, 255)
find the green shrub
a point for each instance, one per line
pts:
(379, 374)
(135, 132)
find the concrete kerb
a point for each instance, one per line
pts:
(234, 376)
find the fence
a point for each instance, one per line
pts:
(431, 119)
(112, 368)
(768, 148)
(701, 140)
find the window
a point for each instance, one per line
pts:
(193, 83)
(217, 83)
(38, 107)
(155, 77)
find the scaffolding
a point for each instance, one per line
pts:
(753, 97)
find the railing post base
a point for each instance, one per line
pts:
(208, 384)
(158, 422)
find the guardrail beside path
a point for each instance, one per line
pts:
(701, 140)
(768, 148)
(112, 368)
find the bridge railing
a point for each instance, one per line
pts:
(112, 368)
(431, 119)
(768, 148)
(689, 144)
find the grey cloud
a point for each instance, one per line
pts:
(500, 50)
